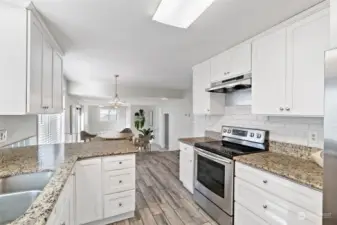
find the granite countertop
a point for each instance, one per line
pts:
(193, 140)
(59, 158)
(301, 171)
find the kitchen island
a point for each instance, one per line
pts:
(60, 158)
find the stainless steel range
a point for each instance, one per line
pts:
(214, 169)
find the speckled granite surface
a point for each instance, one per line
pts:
(193, 140)
(301, 171)
(60, 158)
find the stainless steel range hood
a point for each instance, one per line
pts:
(232, 84)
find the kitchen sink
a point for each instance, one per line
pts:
(13, 205)
(24, 182)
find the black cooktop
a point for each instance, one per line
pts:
(227, 149)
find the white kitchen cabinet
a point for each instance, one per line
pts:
(47, 76)
(186, 166)
(243, 216)
(269, 69)
(234, 61)
(261, 195)
(26, 62)
(288, 68)
(57, 101)
(205, 102)
(307, 41)
(89, 196)
(220, 66)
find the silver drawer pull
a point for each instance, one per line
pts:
(265, 206)
(120, 204)
(120, 163)
(265, 181)
(120, 181)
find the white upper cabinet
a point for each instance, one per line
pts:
(240, 59)
(269, 69)
(57, 83)
(220, 66)
(205, 102)
(288, 68)
(307, 42)
(29, 80)
(234, 61)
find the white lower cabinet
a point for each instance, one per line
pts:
(259, 203)
(244, 217)
(99, 191)
(186, 166)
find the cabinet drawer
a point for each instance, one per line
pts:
(300, 195)
(271, 208)
(119, 180)
(186, 148)
(119, 203)
(243, 216)
(119, 162)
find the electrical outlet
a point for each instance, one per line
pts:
(313, 137)
(3, 135)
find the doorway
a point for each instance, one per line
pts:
(166, 131)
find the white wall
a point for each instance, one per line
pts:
(18, 127)
(94, 125)
(180, 124)
(294, 130)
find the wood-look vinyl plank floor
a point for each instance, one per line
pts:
(161, 199)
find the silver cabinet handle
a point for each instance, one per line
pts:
(281, 108)
(120, 163)
(120, 181)
(287, 108)
(265, 181)
(265, 206)
(120, 204)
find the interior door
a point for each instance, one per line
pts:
(308, 40)
(269, 72)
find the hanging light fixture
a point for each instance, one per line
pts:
(116, 102)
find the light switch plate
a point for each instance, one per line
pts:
(3, 135)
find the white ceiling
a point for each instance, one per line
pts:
(106, 37)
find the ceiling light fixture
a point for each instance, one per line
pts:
(180, 13)
(116, 102)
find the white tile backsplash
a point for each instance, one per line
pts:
(293, 130)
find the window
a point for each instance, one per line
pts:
(108, 114)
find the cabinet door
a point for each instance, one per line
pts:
(189, 179)
(308, 40)
(57, 104)
(47, 76)
(269, 71)
(182, 165)
(220, 66)
(201, 81)
(243, 216)
(35, 59)
(89, 202)
(240, 59)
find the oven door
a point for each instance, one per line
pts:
(214, 179)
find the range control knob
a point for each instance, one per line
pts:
(258, 135)
(252, 134)
(229, 131)
(224, 131)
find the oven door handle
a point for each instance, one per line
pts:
(221, 160)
